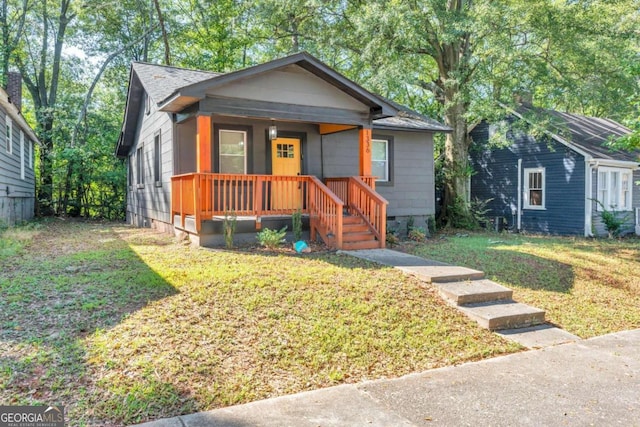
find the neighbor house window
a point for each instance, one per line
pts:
(140, 167)
(614, 189)
(380, 159)
(534, 187)
(233, 151)
(22, 176)
(30, 154)
(157, 159)
(9, 133)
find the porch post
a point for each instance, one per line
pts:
(365, 151)
(203, 144)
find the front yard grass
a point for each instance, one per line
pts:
(124, 325)
(588, 287)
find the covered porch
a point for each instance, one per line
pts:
(346, 213)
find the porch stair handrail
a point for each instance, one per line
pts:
(371, 206)
(361, 199)
(325, 213)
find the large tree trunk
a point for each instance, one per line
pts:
(455, 206)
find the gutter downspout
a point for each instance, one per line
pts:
(519, 220)
(588, 203)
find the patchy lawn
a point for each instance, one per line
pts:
(589, 287)
(125, 325)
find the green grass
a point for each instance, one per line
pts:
(125, 325)
(589, 287)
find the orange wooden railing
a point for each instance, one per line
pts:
(371, 206)
(340, 185)
(326, 213)
(204, 195)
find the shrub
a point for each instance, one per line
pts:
(417, 234)
(612, 222)
(229, 229)
(391, 239)
(296, 218)
(272, 238)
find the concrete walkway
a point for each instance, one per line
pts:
(590, 382)
(488, 303)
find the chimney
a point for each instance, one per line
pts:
(14, 88)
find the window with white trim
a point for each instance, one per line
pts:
(140, 167)
(380, 159)
(534, 188)
(157, 159)
(30, 154)
(22, 175)
(614, 189)
(232, 151)
(9, 133)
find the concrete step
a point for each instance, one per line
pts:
(358, 236)
(539, 336)
(473, 291)
(503, 314)
(366, 244)
(441, 273)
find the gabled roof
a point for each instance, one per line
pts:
(379, 107)
(587, 135)
(172, 89)
(161, 81)
(15, 115)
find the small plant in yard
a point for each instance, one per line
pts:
(229, 229)
(612, 222)
(391, 239)
(417, 234)
(272, 238)
(296, 219)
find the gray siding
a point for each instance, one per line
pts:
(151, 201)
(411, 191)
(496, 177)
(17, 195)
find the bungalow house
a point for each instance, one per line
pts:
(17, 139)
(267, 141)
(561, 181)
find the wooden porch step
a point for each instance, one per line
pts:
(351, 219)
(358, 236)
(355, 228)
(365, 244)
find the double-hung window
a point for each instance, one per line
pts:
(140, 167)
(232, 151)
(534, 188)
(157, 160)
(22, 160)
(614, 189)
(9, 133)
(380, 159)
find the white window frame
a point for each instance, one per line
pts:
(606, 189)
(31, 154)
(157, 159)
(386, 160)
(221, 156)
(9, 134)
(22, 174)
(140, 167)
(527, 188)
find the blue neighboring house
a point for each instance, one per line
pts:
(559, 181)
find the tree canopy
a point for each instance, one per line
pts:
(455, 60)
